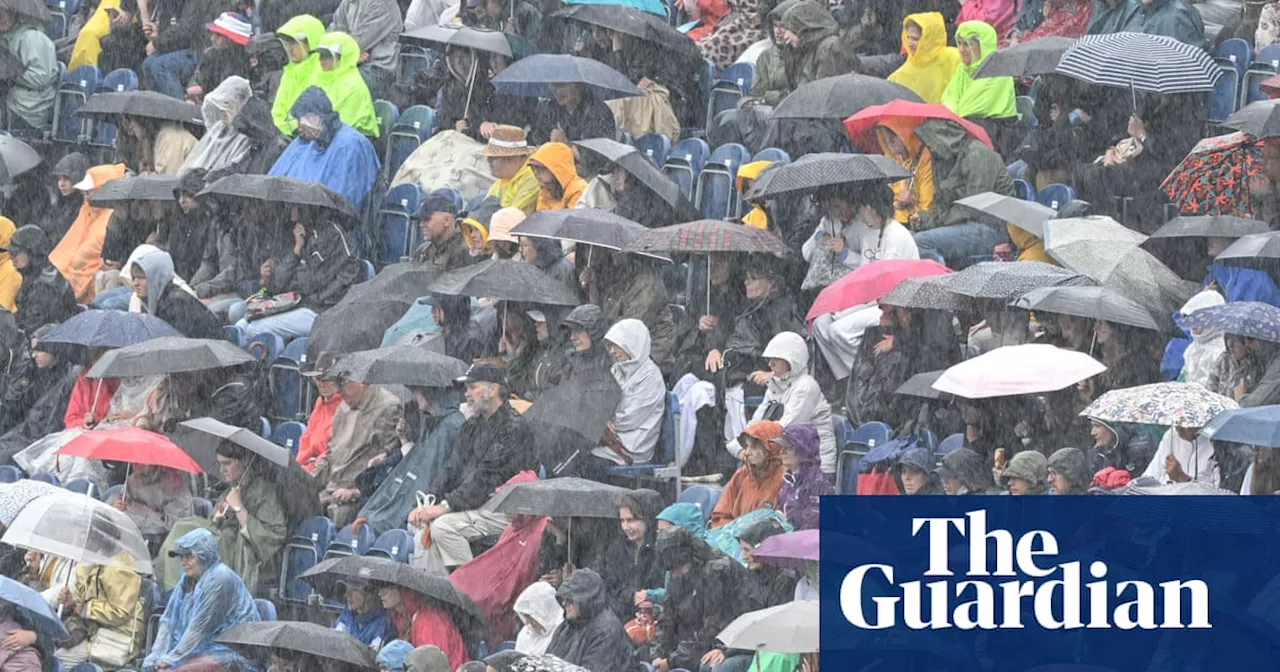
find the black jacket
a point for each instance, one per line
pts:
(45, 416)
(762, 320)
(255, 244)
(45, 296)
(592, 119)
(181, 23)
(628, 568)
(123, 48)
(254, 121)
(17, 371)
(186, 236)
(324, 272)
(186, 314)
(595, 639)
(488, 453)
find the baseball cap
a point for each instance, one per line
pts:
(483, 372)
(321, 367)
(434, 203)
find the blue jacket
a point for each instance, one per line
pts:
(341, 158)
(372, 629)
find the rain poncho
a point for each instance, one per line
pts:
(988, 97)
(345, 87)
(79, 254)
(1030, 248)
(687, 515)
(10, 278)
(750, 171)
(197, 615)
(340, 159)
(1200, 359)
(962, 166)
(929, 69)
(752, 487)
(968, 467)
(538, 603)
(595, 639)
(1071, 464)
(999, 14)
(799, 394)
(557, 157)
(638, 420)
(253, 551)
(798, 497)
(1171, 18)
(1110, 16)
(222, 145)
(88, 46)
(296, 76)
(918, 189)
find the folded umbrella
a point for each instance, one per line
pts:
(109, 329)
(648, 176)
(124, 190)
(791, 627)
(1260, 119)
(362, 317)
(1168, 404)
(456, 35)
(401, 365)
(1257, 426)
(1026, 59)
(258, 640)
(859, 125)
(1250, 319)
(1011, 370)
(1254, 250)
(145, 104)
(870, 282)
(169, 354)
(81, 529)
(1006, 281)
(1095, 303)
(201, 437)
(814, 171)
(507, 280)
(131, 445)
(559, 497)
(16, 158)
(34, 609)
(928, 293)
(589, 226)
(1000, 209)
(709, 236)
(279, 190)
(1140, 62)
(326, 575)
(534, 76)
(838, 98)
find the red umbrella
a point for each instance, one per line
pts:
(865, 119)
(870, 282)
(132, 445)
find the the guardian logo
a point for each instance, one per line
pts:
(988, 604)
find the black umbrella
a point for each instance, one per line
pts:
(921, 385)
(583, 225)
(147, 104)
(567, 497)
(281, 190)
(257, 640)
(401, 365)
(480, 39)
(1259, 249)
(16, 158)
(201, 437)
(326, 575)
(507, 280)
(1260, 119)
(568, 419)
(121, 191)
(649, 177)
(533, 77)
(929, 293)
(171, 354)
(1004, 281)
(838, 98)
(814, 171)
(710, 236)
(1026, 215)
(1028, 59)
(1097, 303)
(1210, 226)
(360, 319)
(638, 24)
(32, 9)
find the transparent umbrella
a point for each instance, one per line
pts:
(80, 528)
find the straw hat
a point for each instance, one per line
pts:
(502, 222)
(507, 141)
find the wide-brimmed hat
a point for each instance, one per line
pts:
(501, 223)
(507, 141)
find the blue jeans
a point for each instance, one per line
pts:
(168, 73)
(955, 244)
(291, 324)
(113, 299)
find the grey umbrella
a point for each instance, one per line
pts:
(1260, 119)
(929, 293)
(1026, 215)
(635, 164)
(148, 104)
(279, 190)
(1259, 249)
(1098, 303)
(1210, 226)
(559, 497)
(257, 640)
(1135, 273)
(171, 354)
(504, 279)
(400, 365)
(120, 191)
(791, 627)
(16, 158)
(838, 98)
(32, 9)
(814, 171)
(326, 575)
(589, 226)
(1005, 281)
(1080, 238)
(492, 41)
(1037, 57)
(921, 385)
(201, 437)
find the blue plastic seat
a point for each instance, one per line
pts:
(414, 126)
(86, 667)
(46, 478)
(843, 430)
(1265, 63)
(83, 486)
(413, 59)
(772, 154)
(112, 492)
(348, 542)
(865, 437)
(367, 271)
(287, 434)
(733, 84)
(1237, 52)
(928, 439)
(77, 85)
(119, 81)
(1026, 111)
(293, 396)
(950, 444)
(302, 552)
(1023, 190)
(705, 496)
(266, 346)
(666, 445)
(1226, 93)
(1056, 195)
(234, 334)
(685, 162)
(398, 225)
(393, 545)
(10, 473)
(716, 196)
(60, 12)
(655, 147)
(266, 610)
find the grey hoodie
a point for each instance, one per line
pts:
(158, 269)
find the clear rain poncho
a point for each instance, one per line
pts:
(638, 420)
(222, 145)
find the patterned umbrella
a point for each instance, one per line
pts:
(1006, 281)
(1214, 177)
(814, 171)
(707, 236)
(1251, 319)
(870, 282)
(1141, 62)
(928, 293)
(1168, 404)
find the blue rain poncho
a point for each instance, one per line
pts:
(340, 159)
(372, 629)
(194, 619)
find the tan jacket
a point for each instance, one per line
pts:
(358, 434)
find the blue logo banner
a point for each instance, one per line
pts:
(1123, 583)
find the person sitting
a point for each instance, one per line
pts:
(253, 121)
(803, 482)
(858, 227)
(1026, 474)
(177, 37)
(988, 101)
(106, 600)
(226, 56)
(210, 599)
(541, 615)
(963, 473)
(28, 103)
(301, 36)
(591, 635)
(630, 564)
(469, 103)
(626, 286)
(716, 309)
(45, 296)
(151, 278)
(792, 395)
(515, 185)
(66, 173)
(1171, 18)
(22, 655)
(250, 518)
(586, 356)
(1182, 456)
(443, 248)
(314, 442)
(560, 186)
(339, 78)
(632, 435)
(521, 349)
(571, 114)
(757, 482)
(1068, 472)
(90, 397)
(463, 338)
(363, 426)
(898, 142)
(154, 498)
(914, 472)
(363, 617)
(930, 62)
(328, 151)
(774, 584)
(79, 254)
(734, 35)
(222, 145)
(547, 255)
(769, 310)
(420, 621)
(375, 26)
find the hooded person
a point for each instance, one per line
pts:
(547, 255)
(253, 121)
(44, 295)
(554, 167)
(152, 280)
(814, 49)
(757, 482)
(67, 172)
(774, 585)
(302, 35)
(222, 145)
(32, 90)
(421, 620)
(930, 62)
(914, 472)
(747, 174)
(1200, 359)
(392, 656)
(541, 614)
(427, 658)
(793, 396)
(339, 77)
(588, 355)
(192, 228)
(898, 142)
(209, 600)
(630, 286)
(630, 564)
(1171, 18)
(1001, 15)
(964, 473)
(591, 635)
(803, 482)
(79, 254)
(987, 97)
(463, 337)
(1068, 472)
(638, 420)
(10, 278)
(328, 151)
(1026, 474)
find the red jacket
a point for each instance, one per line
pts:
(429, 625)
(314, 442)
(89, 394)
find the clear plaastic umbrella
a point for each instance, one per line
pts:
(82, 529)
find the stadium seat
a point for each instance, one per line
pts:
(302, 552)
(47, 478)
(705, 496)
(772, 154)
(60, 12)
(685, 162)
(388, 114)
(414, 126)
(733, 84)
(396, 216)
(266, 346)
(266, 429)
(75, 89)
(266, 610)
(1026, 111)
(347, 542)
(665, 465)
(716, 196)
(111, 492)
(393, 545)
(1265, 63)
(950, 444)
(655, 147)
(1226, 93)
(865, 437)
(10, 473)
(83, 486)
(292, 395)
(287, 434)
(1023, 190)
(1056, 195)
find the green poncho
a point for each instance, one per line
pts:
(989, 97)
(345, 86)
(296, 76)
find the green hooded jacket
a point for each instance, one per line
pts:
(962, 166)
(345, 86)
(296, 76)
(988, 97)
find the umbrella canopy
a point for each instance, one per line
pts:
(82, 529)
(1000, 209)
(1260, 119)
(1018, 369)
(201, 437)
(791, 627)
(257, 640)
(1209, 226)
(1213, 178)
(570, 418)
(559, 497)
(1095, 303)
(280, 190)
(648, 176)
(1251, 319)
(14, 496)
(1027, 59)
(814, 171)
(533, 76)
(109, 329)
(1006, 281)
(1079, 238)
(360, 319)
(325, 576)
(921, 385)
(870, 282)
(708, 236)
(1258, 249)
(589, 226)
(504, 279)
(456, 35)
(121, 191)
(34, 609)
(655, 7)
(32, 9)
(401, 365)
(838, 98)
(132, 445)
(637, 24)
(798, 545)
(928, 293)
(1134, 272)
(1137, 61)
(860, 125)
(1257, 426)
(16, 158)
(169, 354)
(146, 104)
(1168, 404)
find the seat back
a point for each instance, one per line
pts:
(772, 154)
(265, 346)
(303, 551)
(396, 214)
(112, 492)
(292, 395)
(1236, 52)
(266, 610)
(1023, 190)
(715, 193)
(349, 542)
(928, 439)
(86, 667)
(47, 478)
(843, 430)
(77, 85)
(387, 113)
(655, 147)
(413, 59)
(288, 434)
(393, 545)
(1056, 195)
(705, 496)
(872, 434)
(950, 444)
(684, 162)
(10, 473)
(732, 85)
(60, 12)
(119, 81)
(411, 129)
(1226, 93)
(83, 486)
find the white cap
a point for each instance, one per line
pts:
(86, 184)
(536, 315)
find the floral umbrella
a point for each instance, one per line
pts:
(1214, 178)
(1168, 404)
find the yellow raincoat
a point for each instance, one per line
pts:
(520, 191)
(1030, 248)
(345, 87)
(79, 254)
(929, 69)
(558, 158)
(918, 189)
(10, 278)
(297, 76)
(750, 171)
(88, 43)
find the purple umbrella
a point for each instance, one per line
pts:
(789, 550)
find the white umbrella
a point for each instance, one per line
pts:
(786, 628)
(1018, 369)
(80, 528)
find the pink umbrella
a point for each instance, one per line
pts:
(870, 282)
(793, 548)
(1018, 369)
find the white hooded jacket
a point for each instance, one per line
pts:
(1200, 359)
(799, 394)
(537, 603)
(638, 421)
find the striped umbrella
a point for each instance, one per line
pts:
(1140, 62)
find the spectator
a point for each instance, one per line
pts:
(468, 102)
(68, 171)
(463, 337)
(443, 247)
(153, 146)
(222, 145)
(328, 151)
(31, 92)
(963, 473)
(1068, 473)
(588, 355)
(930, 62)
(1001, 15)
(376, 27)
(769, 310)
(151, 277)
(90, 397)
(107, 601)
(363, 617)
(914, 473)
(209, 600)
(1207, 347)
(898, 142)
(314, 442)
(428, 658)
(989, 101)
(250, 518)
(714, 319)
(516, 17)
(363, 426)
(1171, 18)
(1182, 456)
(626, 286)
(632, 435)
(522, 349)
(301, 36)
(1060, 18)
(591, 635)
(155, 498)
(391, 657)
(253, 121)
(420, 621)
(1110, 16)
(23, 656)
(192, 229)
(79, 254)
(86, 48)
(177, 38)
(803, 482)
(541, 615)
(571, 114)
(44, 296)
(774, 585)
(733, 35)
(1026, 474)
(1237, 370)
(51, 387)
(560, 186)
(547, 255)
(10, 278)
(16, 394)
(515, 185)
(858, 227)
(757, 481)
(125, 46)
(226, 56)
(629, 561)
(339, 78)
(792, 395)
